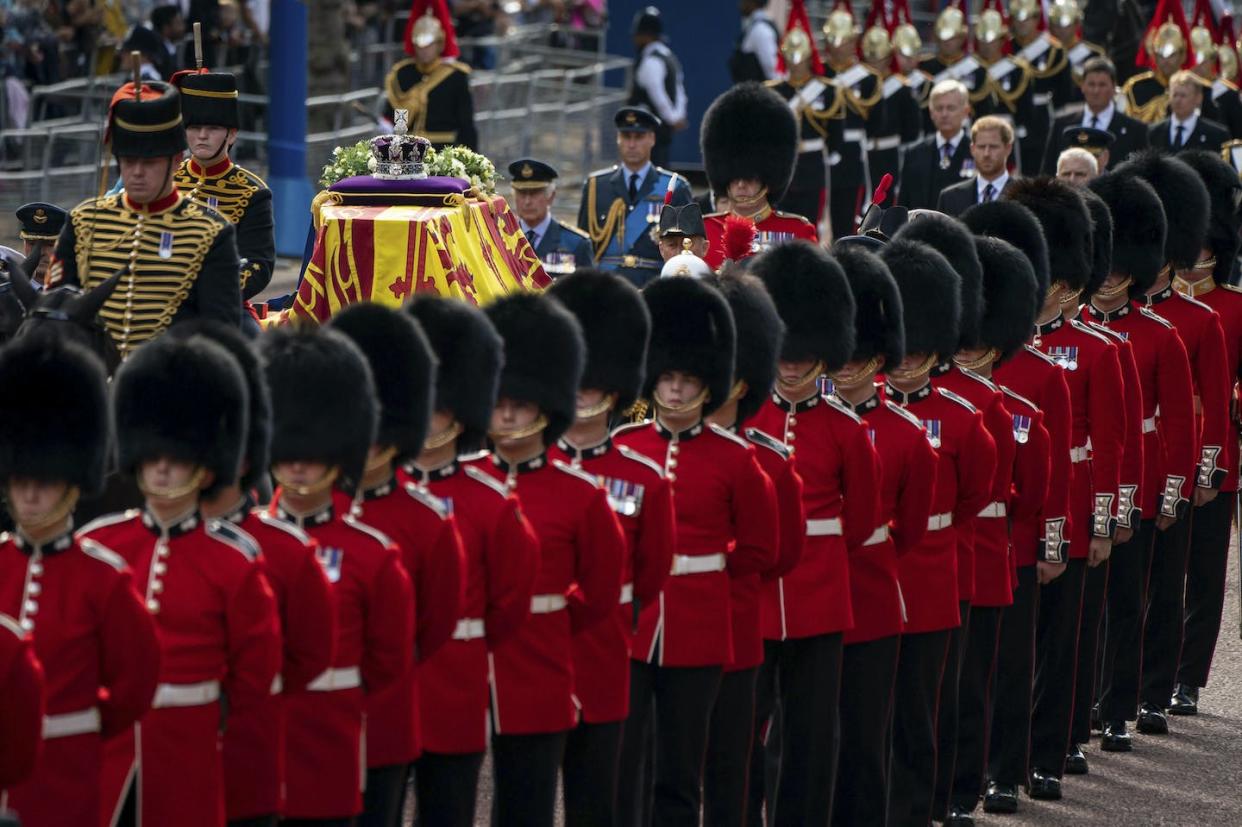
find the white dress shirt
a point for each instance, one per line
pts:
(651, 77)
(760, 41)
(998, 186)
(541, 229)
(1104, 118)
(1188, 126)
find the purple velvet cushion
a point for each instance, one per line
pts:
(441, 185)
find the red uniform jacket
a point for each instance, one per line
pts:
(1200, 330)
(908, 482)
(1098, 427)
(502, 561)
(642, 501)
(581, 562)
(841, 496)
(21, 705)
(374, 648)
(983, 553)
(1226, 300)
(726, 527)
(254, 740)
(1168, 407)
(100, 658)
(772, 228)
(432, 554)
(216, 621)
(928, 572)
(1131, 477)
(1035, 377)
(1031, 479)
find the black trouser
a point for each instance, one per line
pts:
(765, 750)
(1056, 662)
(974, 704)
(1010, 738)
(868, 672)
(446, 787)
(589, 773)
(1122, 660)
(946, 718)
(912, 775)
(727, 771)
(384, 795)
(1094, 593)
(524, 774)
(673, 706)
(1166, 606)
(1205, 587)
(844, 201)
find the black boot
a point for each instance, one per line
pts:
(1185, 700)
(1045, 786)
(1151, 720)
(1075, 761)
(1001, 798)
(1115, 738)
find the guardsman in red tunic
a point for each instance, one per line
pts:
(928, 572)
(806, 612)
(74, 601)
(751, 166)
(1208, 281)
(731, 739)
(726, 528)
(616, 326)
(320, 442)
(181, 410)
(402, 364)
(254, 741)
(502, 559)
(908, 463)
(581, 547)
(21, 706)
(1168, 429)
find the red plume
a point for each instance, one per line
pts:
(739, 235)
(1227, 37)
(1166, 11)
(881, 192)
(878, 17)
(1205, 17)
(798, 19)
(440, 9)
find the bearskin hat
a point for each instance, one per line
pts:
(1223, 187)
(692, 330)
(1009, 293)
(616, 327)
(403, 367)
(813, 297)
(1064, 219)
(930, 296)
(185, 399)
(324, 407)
(1139, 227)
(1101, 241)
(750, 132)
(951, 238)
(544, 356)
(1012, 222)
(54, 422)
(1187, 207)
(879, 327)
(759, 333)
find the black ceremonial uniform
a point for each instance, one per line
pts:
(1147, 96)
(820, 107)
(438, 101)
(850, 178)
(1052, 87)
(894, 123)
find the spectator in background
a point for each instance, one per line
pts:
(151, 53)
(658, 81)
(476, 18)
(168, 23)
(755, 55)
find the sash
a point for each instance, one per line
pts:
(891, 84)
(1080, 53)
(1000, 68)
(1036, 50)
(854, 74)
(807, 95)
(645, 213)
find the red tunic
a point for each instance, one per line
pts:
(726, 527)
(840, 494)
(21, 705)
(908, 466)
(216, 621)
(773, 229)
(374, 648)
(1131, 477)
(581, 562)
(1226, 300)
(642, 501)
(1031, 479)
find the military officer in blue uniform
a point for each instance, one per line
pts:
(621, 204)
(561, 247)
(41, 224)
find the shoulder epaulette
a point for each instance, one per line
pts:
(107, 520)
(982, 380)
(718, 214)
(774, 82)
(287, 527)
(575, 230)
(487, 479)
(630, 454)
(464, 68)
(1136, 79)
(561, 465)
(425, 497)
(953, 397)
(1151, 314)
(101, 553)
(1019, 397)
(475, 456)
(234, 537)
(11, 625)
(1035, 352)
(1231, 287)
(1082, 328)
(1192, 300)
(729, 435)
(839, 408)
(904, 414)
(758, 437)
(372, 532)
(675, 176)
(1105, 331)
(801, 218)
(629, 426)
(249, 174)
(603, 171)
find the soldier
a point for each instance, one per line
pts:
(1098, 85)
(681, 231)
(581, 550)
(907, 51)
(1008, 91)
(426, 533)
(1208, 64)
(180, 259)
(951, 30)
(1164, 49)
(942, 158)
(502, 557)
(214, 613)
(319, 445)
(21, 704)
(1065, 25)
(561, 247)
(749, 138)
(431, 84)
(616, 326)
(1051, 73)
(93, 637)
(40, 225)
(618, 220)
(894, 124)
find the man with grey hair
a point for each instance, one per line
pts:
(942, 159)
(1077, 166)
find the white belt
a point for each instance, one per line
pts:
(992, 509)
(887, 142)
(1149, 425)
(824, 528)
(938, 521)
(546, 604)
(813, 145)
(186, 694)
(469, 628)
(878, 536)
(685, 564)
(854, 135)
(1041, 98)
(1079, 454)
(627, 594)
(71, 723)
(278, 684)
(333, 680)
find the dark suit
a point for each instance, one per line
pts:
(1130, 136)
(956, 199)
(561, 242)
(1207, 135)
(922, 178)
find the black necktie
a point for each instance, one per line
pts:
(947, 151)
(1095, 121)
(530, 236)
(1177, 139)
(989, 192)
(633, 187)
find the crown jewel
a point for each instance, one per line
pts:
(399, 156)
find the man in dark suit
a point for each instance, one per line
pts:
(1186, 128)
(991, 144)
(940, 159)
(1098, 86)
(561, 247)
